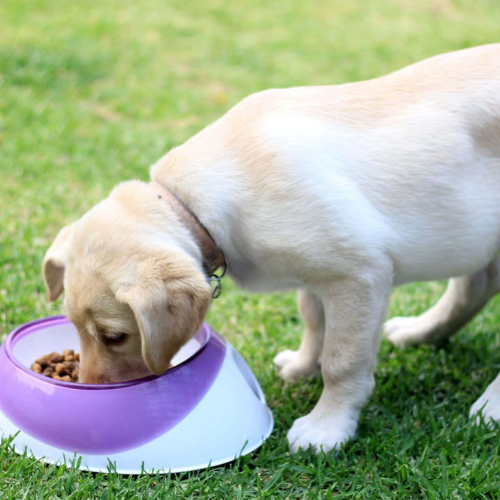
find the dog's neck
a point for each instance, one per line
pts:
(213, 258)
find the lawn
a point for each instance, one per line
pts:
(92, 93)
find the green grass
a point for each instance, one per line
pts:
(92, 93)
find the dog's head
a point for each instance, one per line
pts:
(133, 284)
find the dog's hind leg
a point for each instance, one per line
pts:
(462, 300)
(305, 361)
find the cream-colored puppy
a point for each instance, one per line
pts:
(340, 192)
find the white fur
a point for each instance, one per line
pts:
(356, 205)
(343, 192)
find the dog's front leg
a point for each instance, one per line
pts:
(354, 312)
(305, 361)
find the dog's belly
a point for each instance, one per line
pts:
(448, 246)
(442, 265)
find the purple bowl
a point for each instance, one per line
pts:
(106, 418)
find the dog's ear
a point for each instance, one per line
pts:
(54, 263)
(169, 310)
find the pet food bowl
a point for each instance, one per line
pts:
(208, 409)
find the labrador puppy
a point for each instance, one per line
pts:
(340, 192)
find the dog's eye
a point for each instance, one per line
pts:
(114, 339)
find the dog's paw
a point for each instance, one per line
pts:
(293, 367)
(403, 332)
(321, 433)
(295, 370)
(283, 358)
(488, 405)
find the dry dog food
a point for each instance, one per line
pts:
(65, 366)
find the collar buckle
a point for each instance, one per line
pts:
(213, 278)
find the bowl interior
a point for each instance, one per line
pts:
(35, 343)
(43, 338)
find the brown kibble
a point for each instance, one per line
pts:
(70, 366)
(59, 367)
(43, 362)
(54, 357)
(36, 368)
